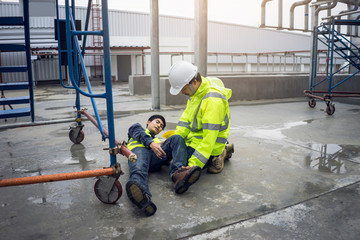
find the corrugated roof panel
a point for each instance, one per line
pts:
(13, 59)
(176, 27)
(123, 23)
(9, 9)
(52, 69)
(41, 22)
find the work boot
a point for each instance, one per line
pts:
(229, 150)
(185, 177)
(217, 163)
(140, 198)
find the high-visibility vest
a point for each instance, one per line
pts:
(134, 143)
(205, 123)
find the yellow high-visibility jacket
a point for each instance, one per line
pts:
(205, 123)
(132, 143)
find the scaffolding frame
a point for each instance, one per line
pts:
(337, 45)
(108, 189)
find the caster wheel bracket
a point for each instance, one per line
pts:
(107, 183)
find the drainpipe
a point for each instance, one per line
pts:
(306, 18)
(292, 8)
(263, 5)
(330, 6)
(280, 12)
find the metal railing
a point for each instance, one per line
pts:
(229, 63)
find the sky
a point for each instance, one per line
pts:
(244, 12)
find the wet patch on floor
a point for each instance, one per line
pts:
(309, 121)
(56, 108)
(332, 158)
(273, 133)
(354, 110)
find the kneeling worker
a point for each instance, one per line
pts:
(205, 123)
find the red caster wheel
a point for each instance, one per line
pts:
(76, 136)
(330, 109)
(101, 189)
(312, 103)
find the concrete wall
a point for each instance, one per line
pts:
(123, 67)
(139, 84)
(246, 87)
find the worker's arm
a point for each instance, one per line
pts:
(213, 116)
(137, 132)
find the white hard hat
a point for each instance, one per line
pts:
(180, 74)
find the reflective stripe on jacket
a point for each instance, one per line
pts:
(132, 143)
(205, 123)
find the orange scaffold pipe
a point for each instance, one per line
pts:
(56, 177)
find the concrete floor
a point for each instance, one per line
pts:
(295, 174)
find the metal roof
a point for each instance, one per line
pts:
(132, 29)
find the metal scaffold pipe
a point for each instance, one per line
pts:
(55, 177)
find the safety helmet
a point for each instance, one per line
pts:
(180, 74)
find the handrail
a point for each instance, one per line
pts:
(103, 95)
(90, 94)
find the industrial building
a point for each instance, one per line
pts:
(232, 48)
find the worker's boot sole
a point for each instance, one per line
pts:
(217, 163)
(192, 176)
(138, 197)
(229, 150)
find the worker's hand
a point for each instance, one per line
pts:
(186, 167)
(156, 147)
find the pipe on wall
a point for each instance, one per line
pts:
(263, 12)
(280, 14)
(321, 8)
(292, 8)
(354, 8)
(306, 18)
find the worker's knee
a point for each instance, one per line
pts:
(176, 138)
